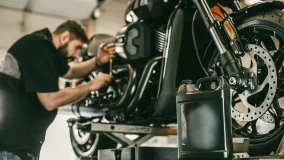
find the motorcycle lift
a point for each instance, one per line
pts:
(130, 149)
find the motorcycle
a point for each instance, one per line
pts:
(167, 41)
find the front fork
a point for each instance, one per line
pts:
(226, 38)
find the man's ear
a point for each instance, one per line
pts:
(64, 37)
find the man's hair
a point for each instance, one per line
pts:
(75, 29)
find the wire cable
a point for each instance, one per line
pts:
(195, 44)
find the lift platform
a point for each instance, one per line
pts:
(117, 132)
(131, 150)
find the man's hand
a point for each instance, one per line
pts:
(79, 70)
(101, 80)
(106, 52)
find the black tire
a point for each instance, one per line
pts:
(271, 20)
(95, 141)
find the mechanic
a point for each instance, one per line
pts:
(29, 92)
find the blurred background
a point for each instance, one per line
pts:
(19, 17)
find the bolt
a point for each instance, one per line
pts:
(218, 64)
(251, 83)
(233, 81)
(236, 51)
(231, 43)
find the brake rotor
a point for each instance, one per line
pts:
(251, 112)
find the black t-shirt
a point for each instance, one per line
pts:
(23, 120)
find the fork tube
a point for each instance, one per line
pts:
(237, 5)
(211, 23)
(227, 58)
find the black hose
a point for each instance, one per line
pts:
(204, 55)
(195, 45)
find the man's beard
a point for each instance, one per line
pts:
(64, 52)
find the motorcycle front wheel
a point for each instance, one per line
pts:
(263, 36)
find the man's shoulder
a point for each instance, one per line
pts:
(27, 41)
(34, 38)
(31, 42)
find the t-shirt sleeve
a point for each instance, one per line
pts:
(39, 68)
(63, 65)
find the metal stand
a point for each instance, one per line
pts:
(241, 147)
(117, 132)
(280, 150)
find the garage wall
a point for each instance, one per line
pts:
(2, 52)
(112, 18)
(14, 24)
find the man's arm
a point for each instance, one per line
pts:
(82, 69)
(63, 97)
(53, 100)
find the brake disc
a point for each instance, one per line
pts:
(255, 112)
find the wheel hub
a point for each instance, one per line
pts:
(80, 137)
